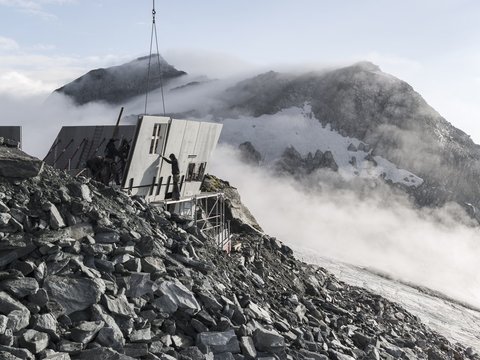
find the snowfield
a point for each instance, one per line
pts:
(298, 127)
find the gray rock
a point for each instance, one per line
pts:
(181, 341)
(248, 348)
(70, 347)
(86, 331)
(361, 340)
(191, 353)
(139, 284)
(40, 298)
(165, 304)
(18, 319)
(141, 335)
(57, 356)
(102, 354)
(156, 347)
(340, 356)
(46, 323)
(20, 287)
(312, 355)
(8, 256)
(224, 356)
(3, 324)
(98, 313)
(136, 350)
(34, 341)
(219, 342)
(7, 356)
(152, 264)
(109, 337)
(56, 219)
(107, 237)
(210, 302)
(268, 340)
(14, 163)
(259, 313)
(79, 231)
(4, 219)
(73, 294)
(150, 246)
(180, 295)
(119, 305)
(23, 354)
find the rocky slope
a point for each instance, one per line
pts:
(87, 272)
(120, 83)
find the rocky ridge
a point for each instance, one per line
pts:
(117, 84)
(87, 272)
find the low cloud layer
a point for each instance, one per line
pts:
(42, 120)
(434, 248)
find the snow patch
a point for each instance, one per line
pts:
(298, 127)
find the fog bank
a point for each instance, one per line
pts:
(427, 247)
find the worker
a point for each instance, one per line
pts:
(123, 152)
(111, 153)
(175, 174)
(96, 165)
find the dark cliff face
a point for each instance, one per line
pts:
(386, 113)
(119, 83)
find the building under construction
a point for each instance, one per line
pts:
(144, 171)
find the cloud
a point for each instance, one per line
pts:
(436, 248)
(42, 120)
(35, 7)
(52, 71)
(214, 64)
(17, 84)
(8, 44)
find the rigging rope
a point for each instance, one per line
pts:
(154, 32)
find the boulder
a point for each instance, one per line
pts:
(34, 341)
(268, 340)
(248, 347)
(219, 342)
(86, 331)
(14, 163)
(74, 294)
(180, 296)
(101, 354)
(20, 287)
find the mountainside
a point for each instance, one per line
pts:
(120, 83)
(87, 272)
(375, 126)
(380, 110)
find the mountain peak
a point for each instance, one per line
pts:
(366, 66)
(119, 83)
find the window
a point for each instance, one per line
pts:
(201, 171)
(190, 172)
(156, 136)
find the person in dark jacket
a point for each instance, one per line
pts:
(111, 152)
(175, 174)
(123, 155)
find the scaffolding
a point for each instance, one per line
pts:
(207, 210)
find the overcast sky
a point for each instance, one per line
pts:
(434, 45)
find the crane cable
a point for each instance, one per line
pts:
(154, 32)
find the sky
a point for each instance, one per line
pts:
(433, 45)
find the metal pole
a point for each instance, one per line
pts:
(115, 130)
